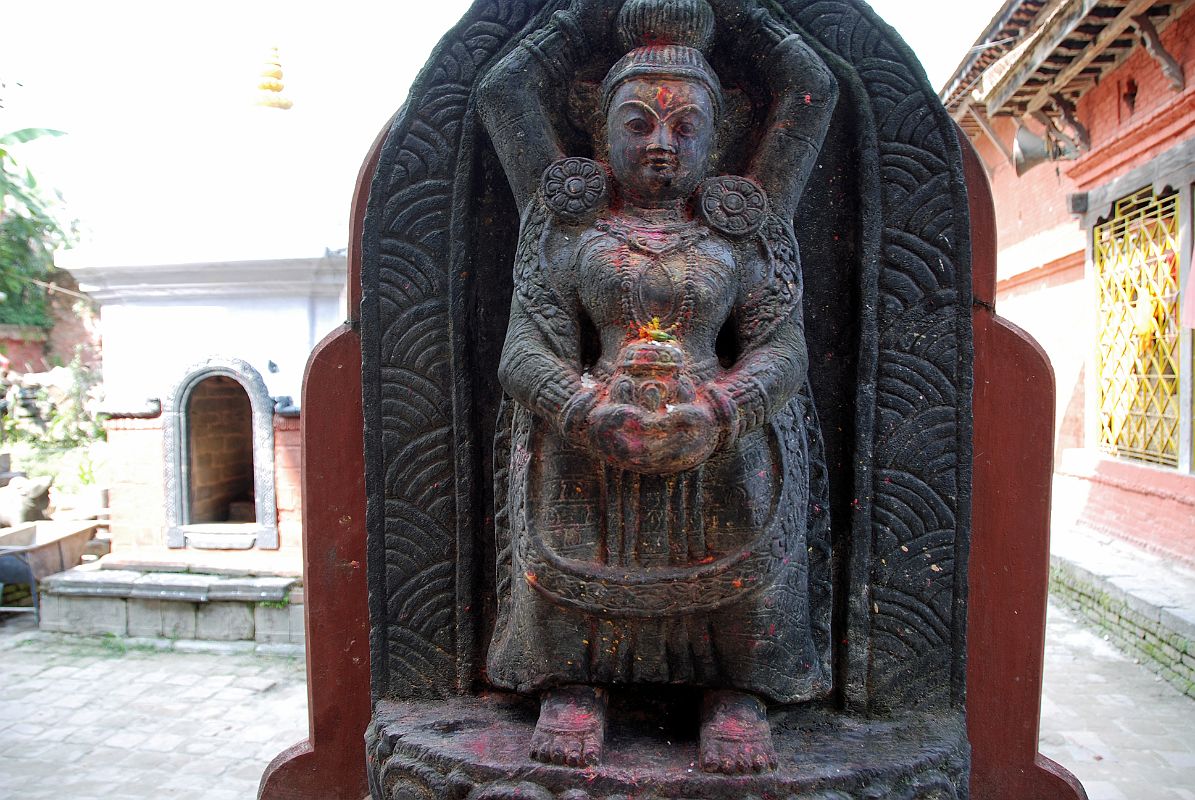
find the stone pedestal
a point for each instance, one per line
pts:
(476, 749)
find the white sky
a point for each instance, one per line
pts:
(167, 160)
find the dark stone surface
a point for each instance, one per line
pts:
(661, 509)
(883, 234)
(475, 747)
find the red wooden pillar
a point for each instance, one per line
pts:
(1010, 544)
(330, 763)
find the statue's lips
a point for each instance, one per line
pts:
(662, 164)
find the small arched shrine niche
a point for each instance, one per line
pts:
(219, 420)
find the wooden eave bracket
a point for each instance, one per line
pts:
(1066, 110)
(1153, 45)
(985, 125)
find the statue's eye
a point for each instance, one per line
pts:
(638, 125)
(686, 129)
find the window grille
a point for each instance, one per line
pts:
(1136, 254)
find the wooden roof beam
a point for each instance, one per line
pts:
(1111, 32)
(1059, 28)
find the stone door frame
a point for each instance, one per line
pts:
(176, 450)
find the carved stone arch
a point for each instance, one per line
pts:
(900, 445)
(176, 455)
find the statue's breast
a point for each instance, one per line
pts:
(683, 281)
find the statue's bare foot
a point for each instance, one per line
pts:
(735, 735)
(571, 730)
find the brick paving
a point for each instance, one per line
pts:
(86, 719)
(90, 719)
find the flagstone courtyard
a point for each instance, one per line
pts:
(90, 719)
(93, 719)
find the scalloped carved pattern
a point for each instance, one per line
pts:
(411, 209)
(922, 376)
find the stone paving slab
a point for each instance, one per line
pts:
(1124, 732)
(86, 719)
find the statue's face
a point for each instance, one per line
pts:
(661, 132)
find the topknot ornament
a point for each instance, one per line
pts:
(643, 23)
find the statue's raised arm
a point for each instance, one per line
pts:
(511, 96)
(804, 93)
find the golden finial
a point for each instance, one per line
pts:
(270, 85)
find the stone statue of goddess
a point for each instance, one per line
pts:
(658, 453)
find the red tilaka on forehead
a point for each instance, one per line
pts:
(666, 98)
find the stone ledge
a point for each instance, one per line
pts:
(172, 586)
(250, 612)
(1161, 638)
(91, 582)
(228, 563)
(160, 585)
(251, 589)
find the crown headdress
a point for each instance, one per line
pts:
(665, 38)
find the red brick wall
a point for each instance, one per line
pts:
(288, 481)
(1150, 506)
(1123, 138)
(136, 496)
(74, 332)
(1027, 206)
(24, 355)
(220, 435)
(76, 325)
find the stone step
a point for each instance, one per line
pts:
(173, 605)
(1144, 602)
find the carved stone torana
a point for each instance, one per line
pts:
(712, 426)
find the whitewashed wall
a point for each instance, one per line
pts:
(159, 320)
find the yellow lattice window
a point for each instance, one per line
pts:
(1136, 262)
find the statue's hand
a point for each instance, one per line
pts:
(674, 439)
(750, 24)
(595, 17)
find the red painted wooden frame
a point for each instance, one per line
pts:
(1010, 530)
(1009, 565)
(330, 763)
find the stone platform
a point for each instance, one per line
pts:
(476, 749)
(154, 602)
(1144, 601)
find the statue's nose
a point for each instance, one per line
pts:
(662, 142)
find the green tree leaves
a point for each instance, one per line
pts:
(29, 235)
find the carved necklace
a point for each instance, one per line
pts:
(655, 242)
